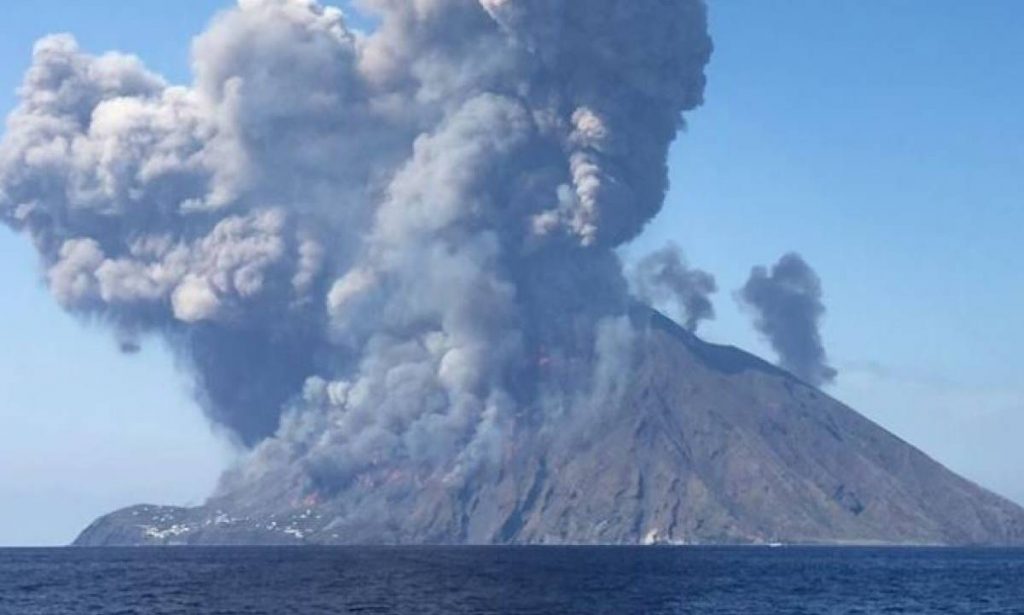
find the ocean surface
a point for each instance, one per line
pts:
(426, 580)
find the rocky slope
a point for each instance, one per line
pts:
(707, 444)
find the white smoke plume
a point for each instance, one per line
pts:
(788, 310)
(663, 276)
(370, 250)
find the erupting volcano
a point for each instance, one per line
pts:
(388, 260)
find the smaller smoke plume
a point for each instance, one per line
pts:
(664, 277)
(788, 310)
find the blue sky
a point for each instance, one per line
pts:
(883, 141)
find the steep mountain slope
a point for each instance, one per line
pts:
(705, 444)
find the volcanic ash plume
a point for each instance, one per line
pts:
(788, 308)
(371, 251)
(664, 277)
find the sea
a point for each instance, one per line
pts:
(521, 580)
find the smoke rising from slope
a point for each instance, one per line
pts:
(663, 276)
(367, 249)
(788, 308)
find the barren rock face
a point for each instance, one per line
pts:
(704, 444)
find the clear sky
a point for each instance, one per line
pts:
(883, 141)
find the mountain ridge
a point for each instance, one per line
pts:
(706, 444)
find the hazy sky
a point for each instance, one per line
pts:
(885, 143)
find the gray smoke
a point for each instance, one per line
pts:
(370, 250)
(788, 310)
(664, 277)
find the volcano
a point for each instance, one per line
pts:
(706, 444)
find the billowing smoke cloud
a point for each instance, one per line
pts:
(788, 308)
(373, 249)
(664, 277)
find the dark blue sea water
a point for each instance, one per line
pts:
(510, 580)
